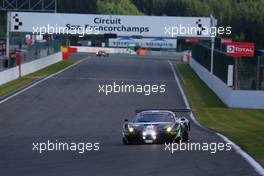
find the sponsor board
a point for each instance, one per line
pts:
(148, 26)
(192, 40)
(240, 49)
(107, 50)
(144, 43)
(226, 40)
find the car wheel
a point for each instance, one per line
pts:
(125, 142)
(185, 136)
(177, 140)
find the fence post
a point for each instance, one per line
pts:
(236, 73)
(7, 33)
(212, 55)
(258, 73)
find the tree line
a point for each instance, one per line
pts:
(246, 17)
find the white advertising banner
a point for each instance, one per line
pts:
(83, 24)
(145, 42)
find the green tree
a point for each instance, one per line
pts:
(121, 7)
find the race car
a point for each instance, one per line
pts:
(156, 126)
(102, 53)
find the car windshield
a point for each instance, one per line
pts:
(154, 117)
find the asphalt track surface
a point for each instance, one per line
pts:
(68, 107)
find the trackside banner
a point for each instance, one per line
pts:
(240, 49)
(145, 42)
(226, 40)
(83, 24)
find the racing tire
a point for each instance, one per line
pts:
(185, 136)
(177, 140)
(125, 142)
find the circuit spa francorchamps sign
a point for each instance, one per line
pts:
(147, 26)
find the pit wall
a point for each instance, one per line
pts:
(29, 67)
(232, 98)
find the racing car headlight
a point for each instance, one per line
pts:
(169, 129)
(153, 133)
(130, 129)
(144, 133)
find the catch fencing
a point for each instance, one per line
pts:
(37, 50)
(250, 72)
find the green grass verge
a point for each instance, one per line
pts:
(20, 82)
(243, 126)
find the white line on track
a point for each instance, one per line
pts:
(258, 168)
(38, 82)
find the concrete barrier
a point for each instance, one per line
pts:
(8, 75)
(29, 67)
(232, 98)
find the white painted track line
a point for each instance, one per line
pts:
(38, 82)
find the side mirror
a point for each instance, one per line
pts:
(126, 120)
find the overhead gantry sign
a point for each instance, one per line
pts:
(121, 25)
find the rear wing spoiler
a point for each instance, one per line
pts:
(175, 111)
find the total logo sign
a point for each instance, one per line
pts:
(240, 49)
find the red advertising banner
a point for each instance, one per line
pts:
(226, 40)
(192, 40)
(240, 49)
